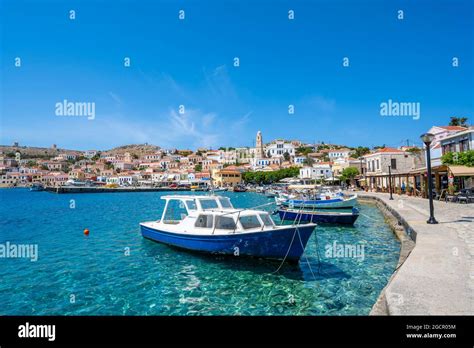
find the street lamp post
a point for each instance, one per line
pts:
(427, 138)
(390, 181)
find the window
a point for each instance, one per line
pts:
(225, 202)
(191, 205)
(225, 223)
(464, 145)
(393, 163)
(267, 221)
(378, 164)
(204, 221)
(175, 212)
(250, 221)
(208, 204)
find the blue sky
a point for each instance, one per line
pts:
(190, 62)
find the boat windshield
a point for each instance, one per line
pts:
(267, 221)
(175, 212)
(249, 221)
(225, 223)
(225, 202)
(191, 204)
(208, 204)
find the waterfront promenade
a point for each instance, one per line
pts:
(437, 278)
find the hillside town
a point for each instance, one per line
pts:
(152, 166)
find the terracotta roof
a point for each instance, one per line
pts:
(389, 149)
(453, 128)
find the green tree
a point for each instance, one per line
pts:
(270, 177)
(308, 161)
(349, 174)
(361, 151)
(198, 167)
(465, 158)
(286, 156)
(458, 121)
(303, 150)
(96, 156)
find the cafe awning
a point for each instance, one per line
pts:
(461, 170)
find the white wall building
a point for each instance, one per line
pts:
(316, 172)
(278, 148)
(339, 154)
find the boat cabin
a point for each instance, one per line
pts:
(210, 213)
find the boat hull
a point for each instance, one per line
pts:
(319, 217)
(336, 203)
(273, 244)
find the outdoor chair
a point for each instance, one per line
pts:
(464, 196)
(451, 198)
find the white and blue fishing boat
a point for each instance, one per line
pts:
(211, 224)
(320, 217)
(321, 202)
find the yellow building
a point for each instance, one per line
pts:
(226, 177)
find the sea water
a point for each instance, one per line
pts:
(115, 271)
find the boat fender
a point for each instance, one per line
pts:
(86, 232)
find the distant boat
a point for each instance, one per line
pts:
(271, 193)
(327, 202)
(219, 189)
(239, 188)
(326, 217)
(72, 182)
(37, 187)
(211, 224)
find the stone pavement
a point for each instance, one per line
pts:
(437, 278)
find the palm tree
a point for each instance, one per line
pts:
(458, 121)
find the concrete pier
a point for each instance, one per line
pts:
(437, 277)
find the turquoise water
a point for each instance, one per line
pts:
(91, 275)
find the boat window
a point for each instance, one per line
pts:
(250, 221)
(267, 220)
(208, 204)
(225, 202)
(204, 221)
(225, 223)
(175, 212)
(191, 205)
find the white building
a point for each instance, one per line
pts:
(339, 154)
(316, 172)
(279, 148)
(90, 153)
(258, 163)
(299, 160)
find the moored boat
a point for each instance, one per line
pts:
(325, 217)
(211, 224)
(239, 188)
(326, 202)
(36, 187)
(219, 189)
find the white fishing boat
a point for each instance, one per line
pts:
(211, 224)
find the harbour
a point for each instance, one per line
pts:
(110, 270)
